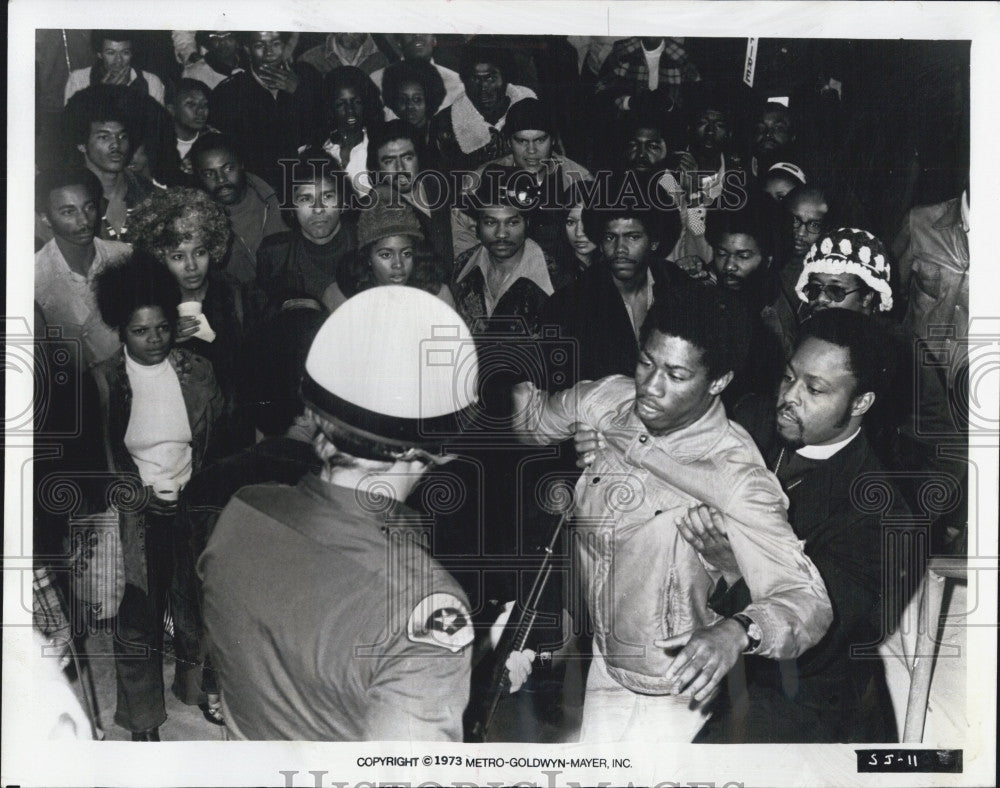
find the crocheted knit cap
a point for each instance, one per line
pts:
(384, 219)
(848, 250)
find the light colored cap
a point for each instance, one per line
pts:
(394, 364)
(789, 169)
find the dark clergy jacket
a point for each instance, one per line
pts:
(827, 694)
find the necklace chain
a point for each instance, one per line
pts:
(781, 456)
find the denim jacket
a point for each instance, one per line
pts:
(203, 402)
(641, 580)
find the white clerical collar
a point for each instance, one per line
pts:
(826, 451)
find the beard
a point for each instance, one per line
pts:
(792, 443)
(795, 439)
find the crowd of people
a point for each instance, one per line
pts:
(680, 282)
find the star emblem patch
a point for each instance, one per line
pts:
(441, 620)
(448, 620)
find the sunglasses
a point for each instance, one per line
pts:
(835, 293)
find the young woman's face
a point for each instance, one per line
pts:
(189, 262)
(348, 109)
(391, 260)
(148, 336)
(576, 235)
(411, 104)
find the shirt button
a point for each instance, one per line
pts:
(597, 480)
(643, 438)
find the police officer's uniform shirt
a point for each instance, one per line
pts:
(327, 625)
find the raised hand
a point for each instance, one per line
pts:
(704, 528)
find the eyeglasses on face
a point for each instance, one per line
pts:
(815, 226)
(835, 293)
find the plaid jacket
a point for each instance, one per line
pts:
(626, 73)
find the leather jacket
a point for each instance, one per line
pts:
(203, 402)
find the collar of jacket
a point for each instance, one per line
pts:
(258, 189)
(952, 216)
(567, 170)
(331, 51)
(692, 442)
(120, 390)
(472, 132)
(388, 510)
(533, 266)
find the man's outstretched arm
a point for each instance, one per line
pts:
(542, 419)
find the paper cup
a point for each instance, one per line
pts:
(189, 308)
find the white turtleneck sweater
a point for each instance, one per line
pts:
(158, 435)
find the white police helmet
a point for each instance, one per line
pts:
(395, 366)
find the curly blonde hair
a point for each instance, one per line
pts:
(169, 217)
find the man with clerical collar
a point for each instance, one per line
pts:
(814, 441)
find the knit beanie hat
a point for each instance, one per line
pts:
(847, 250)
(526, 115)
(384, 219)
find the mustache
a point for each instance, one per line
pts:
(787, 410)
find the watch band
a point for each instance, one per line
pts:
(752, 628)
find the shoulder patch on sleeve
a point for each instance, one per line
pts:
(441, 620)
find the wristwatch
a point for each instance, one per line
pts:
(753, 630)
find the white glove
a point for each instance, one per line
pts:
(519, 668)
(519, 662)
